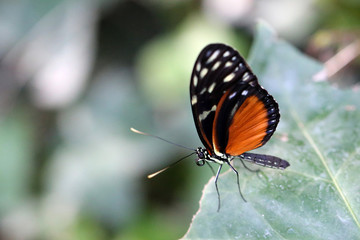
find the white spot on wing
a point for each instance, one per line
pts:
(232, 95)
(246, 76)
(211, 88)
(252, 83)
(203, 72)
(245, 92)
(204, 114)
(193, 100)
(228, 64)
(215, 66)
(195, 80)
(198, 67)
(229, 77)
(202, 91)
(213, 56)
(226, 54)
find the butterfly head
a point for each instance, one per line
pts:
(203, 156)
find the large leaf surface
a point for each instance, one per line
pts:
(318, 196)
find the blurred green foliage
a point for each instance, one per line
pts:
(76, 75)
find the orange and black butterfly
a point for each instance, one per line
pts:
(233, 114)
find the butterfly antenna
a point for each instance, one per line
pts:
(148, 134)
(165, 168)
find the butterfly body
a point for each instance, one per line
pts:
(233, 113)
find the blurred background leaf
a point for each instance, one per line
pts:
(76, 75)
(315, 197)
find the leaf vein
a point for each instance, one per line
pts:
(312, 143)
(346, 162)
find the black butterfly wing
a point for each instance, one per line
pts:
(219, 80)
(217, 68)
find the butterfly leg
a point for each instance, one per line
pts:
(247, 168)
(257, 171)
(216, 186)
(237, 178)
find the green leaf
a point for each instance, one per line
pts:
(318, 196)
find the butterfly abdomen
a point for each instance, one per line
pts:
(265, 160)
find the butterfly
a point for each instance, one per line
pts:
(233, 113)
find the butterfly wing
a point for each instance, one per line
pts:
(217, 69)
(246, 118)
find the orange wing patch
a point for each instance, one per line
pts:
(248, 127)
